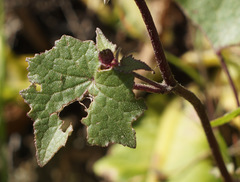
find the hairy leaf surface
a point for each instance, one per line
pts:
(69, 72)
(129, 64)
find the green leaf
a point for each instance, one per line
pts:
(219, 19)
(171, 146)
(69, 72)
(190, 71)
(123, 164)
(129, 64)
(113, 110)
(103, 42)
(226, 118)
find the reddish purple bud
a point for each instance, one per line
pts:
(106, 57)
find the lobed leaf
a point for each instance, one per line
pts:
(71, 71)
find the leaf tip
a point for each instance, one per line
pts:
(102, 42)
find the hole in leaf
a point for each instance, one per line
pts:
(73, 113)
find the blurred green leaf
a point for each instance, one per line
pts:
(131, 18)
(226, 118)
(123, 164)
(3, 137)
(171, 146)
(190, 71)
(219, 19)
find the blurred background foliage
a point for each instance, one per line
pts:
(171, 145)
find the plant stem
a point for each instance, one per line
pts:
(199, 108)
(153, 83)
(156, 43)
(150, 88)
(225, 68)
(179, 90)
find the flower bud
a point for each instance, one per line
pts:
(106, 57)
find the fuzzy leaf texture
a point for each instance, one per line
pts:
(69, 72)
(129, 64)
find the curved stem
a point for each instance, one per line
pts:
(179, 90)
(156, 43)
(199, 107)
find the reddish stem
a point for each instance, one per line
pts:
(151, 82)
(156, 43)
(179, 90)
(225, 68)
(150, 88)
(198, 106)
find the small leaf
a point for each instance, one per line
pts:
(69, 72)
(103, 42)
(226, 118)
(129, 64)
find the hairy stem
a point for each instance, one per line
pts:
(156, 43)
(151, 82)
(179, 90)
(225, 68)
(150, 88)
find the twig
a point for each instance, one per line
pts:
(153, 86)
(179, 90)
(199, 108)
(150, 88)
(225, 69)
(151, 82)
(156, 43)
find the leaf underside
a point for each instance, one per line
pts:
(68, 72)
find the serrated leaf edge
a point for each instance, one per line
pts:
(148, 68)
(56, 112)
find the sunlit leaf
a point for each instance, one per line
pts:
(171, 147)
(71, 71)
